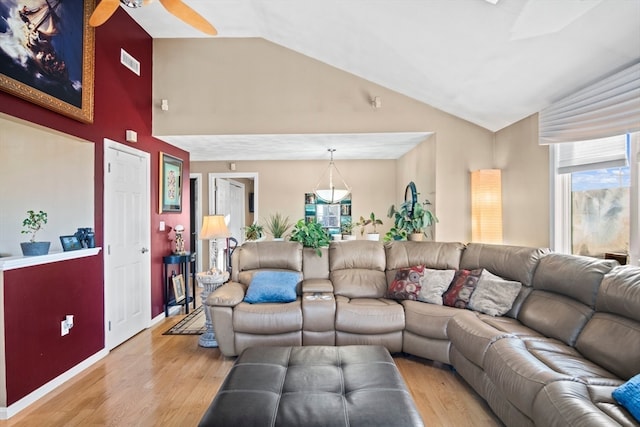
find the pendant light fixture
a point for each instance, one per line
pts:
(327, 191)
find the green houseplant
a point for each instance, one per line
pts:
(346, 228)
(254, 231)
(407, 222)
(373, 222)
(278, 224)
(311, 234)
(33, 223)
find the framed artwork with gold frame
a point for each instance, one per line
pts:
(178, 287)
(47, 54)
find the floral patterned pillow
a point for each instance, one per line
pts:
(461, 288)
(406, 284)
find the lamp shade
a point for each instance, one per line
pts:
(325, 188)
(486, 206)
(214, 227)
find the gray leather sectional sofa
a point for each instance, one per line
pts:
(571, 336)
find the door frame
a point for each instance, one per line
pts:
(248, 175)
(113, 145)
(198, 218)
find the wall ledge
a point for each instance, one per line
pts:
(14, 262)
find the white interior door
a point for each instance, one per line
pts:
(126, 241)
(229, 200)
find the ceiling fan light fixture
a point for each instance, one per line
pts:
(330, 193)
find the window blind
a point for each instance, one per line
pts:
(606, 108)
(591, 155)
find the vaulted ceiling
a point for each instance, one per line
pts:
(490, 64)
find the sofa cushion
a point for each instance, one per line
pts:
(428, 320)
(555, 315)
(268, 319)
(628, 395)
(576, 277)
(511, 262)
(357, 269)
(611, 338)
(437, 255)
(273, 255)
(368, 315)
(406, 284)
(471, 336)
(566, 359)
(494, 295)
(613, 342)
(272, 286)
(572, 403)
(518, 374)
(434, 283)
(619, 292)
(461, 288)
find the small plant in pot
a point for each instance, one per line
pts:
(33, 223)
(415, 223)
(346, 229)
(254, 232)
(311, 235)
(278, 224)
(373, 222)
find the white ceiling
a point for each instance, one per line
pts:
(299, 147)
(489, 64)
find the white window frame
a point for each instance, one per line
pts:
(560, 195)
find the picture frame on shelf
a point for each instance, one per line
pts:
(170, 184)
(70, 243)
(41, 72)
(178, 287)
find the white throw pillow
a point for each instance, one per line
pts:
(494, 295)
(434, 283)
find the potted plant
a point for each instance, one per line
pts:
(346, 229)
(414, 223)
(311, 234)
(278, 224)
(254, 232)
(373, 222)
(33, 223)
(395, 233)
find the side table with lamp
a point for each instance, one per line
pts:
(213, 227)
(183, 260)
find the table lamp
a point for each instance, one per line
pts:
(214, 227)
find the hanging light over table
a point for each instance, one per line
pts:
(326, 190)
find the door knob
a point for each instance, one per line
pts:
(144, 250)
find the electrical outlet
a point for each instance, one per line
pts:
(64, 328)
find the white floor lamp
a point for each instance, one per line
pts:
(213, 228)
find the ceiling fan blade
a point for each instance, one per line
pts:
(188, 15)
(103, 11)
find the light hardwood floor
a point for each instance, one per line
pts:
(168, 380)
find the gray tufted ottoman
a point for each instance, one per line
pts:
(313, 386)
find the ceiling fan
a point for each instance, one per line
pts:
(106, 8)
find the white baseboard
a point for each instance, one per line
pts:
(11, 410)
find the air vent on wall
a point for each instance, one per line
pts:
(129, 61)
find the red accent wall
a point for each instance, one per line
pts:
(36, 301)
(122, 101)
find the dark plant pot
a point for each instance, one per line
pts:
(35, 248)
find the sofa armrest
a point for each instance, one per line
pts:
(317, 285)
(228, 295)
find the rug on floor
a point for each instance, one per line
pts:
(192, 324)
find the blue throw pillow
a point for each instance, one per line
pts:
(272, 286)
(628, 395)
